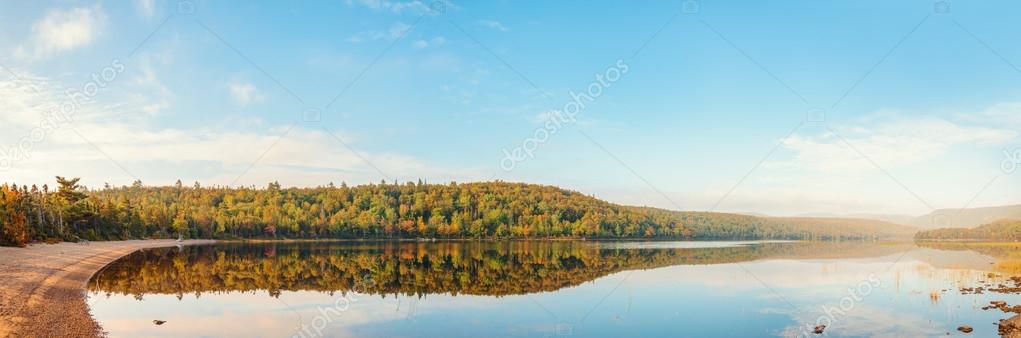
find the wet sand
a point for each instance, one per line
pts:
(42, 287)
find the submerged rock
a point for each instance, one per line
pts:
(819, 329)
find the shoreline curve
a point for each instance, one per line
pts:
(42, 286)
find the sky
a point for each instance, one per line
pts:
(780, 108)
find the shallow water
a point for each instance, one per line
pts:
(551, 289)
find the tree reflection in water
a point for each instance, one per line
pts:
(420, 268)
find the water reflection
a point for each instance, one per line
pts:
(471, 268)
(551, 289)
(1002, 257)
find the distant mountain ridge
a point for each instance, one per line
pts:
(965, 218)
(940, 218)
(891, 218)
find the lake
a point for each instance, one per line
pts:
(553, 289)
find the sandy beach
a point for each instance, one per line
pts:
(42, 287)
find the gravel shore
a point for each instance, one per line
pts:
(42, 287)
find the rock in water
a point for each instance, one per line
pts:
(819, 329)
(1011, 328)
(158, 322)
(965, 329)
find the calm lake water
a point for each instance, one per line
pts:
(553, 289)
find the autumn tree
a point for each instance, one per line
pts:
(384, 210)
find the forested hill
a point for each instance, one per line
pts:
(385, 210)
(1001, 231)
(966, 218)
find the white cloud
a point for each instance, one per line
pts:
(152, 109)
(494, 25)
(20, 108)
(159, 154)
(1006, 114)
(244, 93)
(396, 7)
(887, 141)
(146, 8)
(422, 43)
(63, 30)
(399, 29)
(926, 162)
(396, 31)
(147, 78)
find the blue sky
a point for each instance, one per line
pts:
(784, 108)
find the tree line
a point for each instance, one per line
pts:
(1006, 230)
(485, 210)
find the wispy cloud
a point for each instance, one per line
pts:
(244, 93)
(494, 25)
(887, 141)
(396, 31)
(434, 42)
(146, 8)
(1004, 113)
(62, 30)
(310, 156)
(396, 7)
(147, 78)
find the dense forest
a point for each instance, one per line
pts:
(1003, 230)
(377, 211)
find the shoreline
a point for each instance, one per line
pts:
(42, 286)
